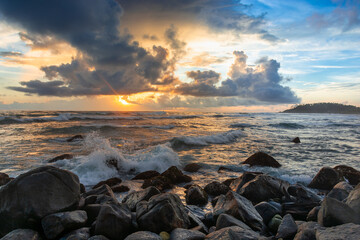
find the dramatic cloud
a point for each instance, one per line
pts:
(261, 82)
(10, 54)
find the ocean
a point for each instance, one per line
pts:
(141, 141)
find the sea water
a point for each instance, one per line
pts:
(141, 141)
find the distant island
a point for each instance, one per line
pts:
(324, 108)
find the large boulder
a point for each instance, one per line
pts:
(226, 220)
(262, 159)
(347, 231)
(334, 212)
(186, 234)
(240, 208)
(163, 212)
(4, 178)
(263, 187)
(195, 195)
(143, 235)
(58, 223)
(267, 211)
(22, 234)
(233, 233)
(353, 199)
(325, 179)
(176, 175)
(216, 188)
(287, 228)
(307, 231)
(33, 195)
(241, 180)
(351, 174)
(135, 197)
(113, 221)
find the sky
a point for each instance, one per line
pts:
(189, 55)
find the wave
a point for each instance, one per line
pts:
(288, 125)
(220, 138)
(347, 125)
(176, 117)
(241, 125)
(105, 161)
(170, 126)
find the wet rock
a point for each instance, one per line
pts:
(103, 189)
(353, 199)
(226, 220)
(164, 236)
(312, 215)
(244, 178)
(160, 182)
(175, 175)
(113, 221)
(76, 137)
(195, 195)
(275, 223)
(267, 211)
(61, 157)
(143, 235)
(344, 186)
(56, 224)
(98, 237)
(197, 216)
(222, 168)
(287, 228)
(334, 212)
(262, 159)
(4, 179)
(78, 234)
(228, 182)
(120, 188)
(185, 234)
(347, 231)
(33, 195)
(192, 167)
(92, 211)
(135, 197)
(233, 233)
(338, 194)
(240, 208)
(299, 210)
(110, 182)
(22, 234)
(216, 188)
(307, 231)
(146, 175)
(262, 188)
(100, 199)
(303, 194)
(296, 140)
(325, 179)
(351, 174)
(163, 212)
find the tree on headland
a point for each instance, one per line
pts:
(324, 108)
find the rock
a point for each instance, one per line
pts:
(110, 182)
(163, 212)
(262, 188)
(61, 157)
(100, 199)
(226, 220)
(79, 234)
(216, 188)
(307, 231)
(296, 140)
(98, 237)
(275, 223)
(33, 195)
(146, 175)
(240, 208)
(185, 234)
(58, 223)
(4, 179)
(303, 194)
(192, 167)
(233, 233)
(267, 211)
(244, 178)
(344, 186)
(120, 188)
(102, 190)
(175, 175)
(195, 195)
(76, 137)
(113, 221)
(197, 216)
(325, 179)
(92, 211)
(347, 231)
(312, 215)
(143, 235)
(339, 194)
(164, 236)
(334, 212)
(222, 168)
(135, 197)
(228, 182)
(22, 234)
(287, 228)
(262, 159)
(160, 182)
(353, 199)
(351, 174)
(299, 210)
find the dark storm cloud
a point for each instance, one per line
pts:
(262, 83)
(10, 54)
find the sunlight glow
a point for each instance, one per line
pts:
(123, 101)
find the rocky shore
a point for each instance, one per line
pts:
(51, 203)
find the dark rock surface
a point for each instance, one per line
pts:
(267, 211)
(347, 231)
(216, 188)
(78, 234)
(353, 199)
(186, 234)
(195, 195)
(325, 179)
(233, 233)
(307, 231)
(192, 167)
(110, 182)
(226, 220)
(262, 159)
(135, 197)
(4, 179)
(76, 137)
(146, 175)
(296, 140)
(61, 157)
(351, 174)
(36, 194)
(98, 237)
(120, 188)
(287, 228)
(313, 214)
(240, 208)
(163, 212)
(22, 234)
(143, 235)
(58, 223)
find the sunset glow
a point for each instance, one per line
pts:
(123, 101)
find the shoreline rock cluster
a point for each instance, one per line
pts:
(51, 203)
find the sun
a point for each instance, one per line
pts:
(123, 101)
